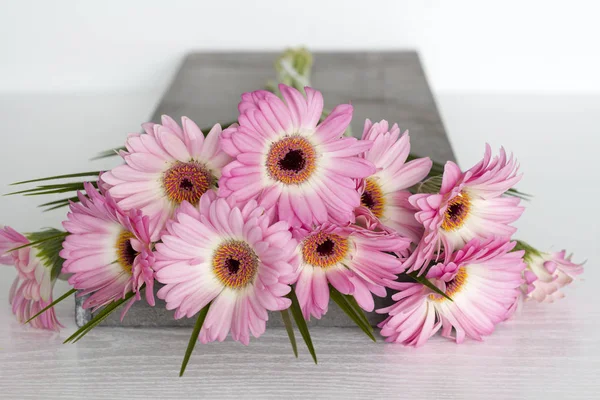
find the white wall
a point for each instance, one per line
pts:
(110, 45)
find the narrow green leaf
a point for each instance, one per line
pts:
(108, 153)
(77, 175)
(194, 338)
(49, 306)
(352, 301)
(301, 323)
(285, 315)
(101, 318)
(48, 245)
(56, 207)
(523, 196)
(52, 189)
(98, 318)
(340, 300)
(61, 201)
(424, 281)
(33, 243)
(39, 190)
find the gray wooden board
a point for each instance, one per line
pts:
(389, 85)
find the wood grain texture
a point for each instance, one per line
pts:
(549, 351)
(380, 85)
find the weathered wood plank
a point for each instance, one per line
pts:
(388, 85)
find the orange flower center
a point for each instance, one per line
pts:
(372, 197)
(453, 286)
(235, 264)
(291, 160)
(456, 212)
(125, 252)
(324, 249)
(187, 181)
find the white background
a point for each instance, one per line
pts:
(76, 76)
(535, 45)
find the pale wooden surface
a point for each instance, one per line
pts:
(551, 351)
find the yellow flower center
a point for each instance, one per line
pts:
(125, 252)
(452, 287)
(235, 264)
(324, 249)
(456, 212)
(187, 181)
(372, 197)
(291, 160)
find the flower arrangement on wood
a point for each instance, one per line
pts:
(283, 212)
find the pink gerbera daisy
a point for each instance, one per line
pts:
(385, 193)
(164, 167)
(351, 259)
(108, 251)
(285, 157)
(232, 258)
(547, 273)
(469, 205)
(31, 290)
(483, 280)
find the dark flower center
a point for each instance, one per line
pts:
(372, 197)
(126, 254)
(324, 249)
(367, 200)
(291, 160)
(456, 212)
(235, 264)
(187, 181)
(186, 184)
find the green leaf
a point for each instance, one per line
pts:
(285, 315)
(430, 185)
(108, 153)
(60, 201)
(354, 304)
(49, 243)
(56, 207)
(44, 238)
(77, 175)
(354, 314)
(53, 205)
(523, 196)
(530, 251)
(52, 189)
(423, 281)
(98, 318)
(301, 323)
(49, 306)
(194, 338)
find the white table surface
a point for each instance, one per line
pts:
(549, 350)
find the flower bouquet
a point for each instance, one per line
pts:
(283, 210)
